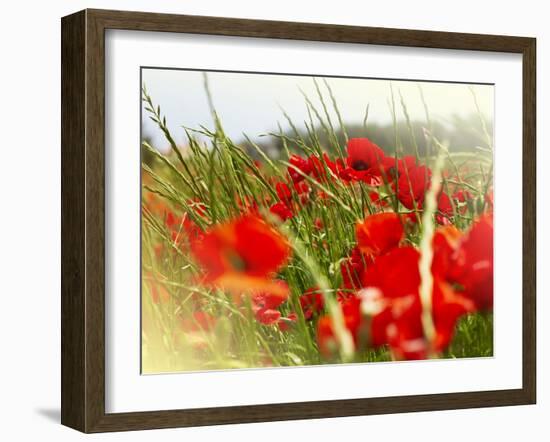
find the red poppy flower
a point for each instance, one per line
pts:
(318, 167)
(343, 296)
(281, 210)
(267, 316)
(242, 255)
(445, 243)
(397, 320)
(466, 261)
(395, 167)
(379, 233)
(444, 209)
(364, 161)
(448, 307)
(312, 303)
(270, 300)
(302, 190)
(170, 220)
(473, 268)
(285, 324)
(326, 338)
(302, 165)
(342, 170)
(410, 218)
(395, 274)
(265, 304)
(412, 185)
(376, 200)
(286, 207)
(284, 193)
(353, 268)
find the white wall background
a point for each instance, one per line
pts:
(30, 218)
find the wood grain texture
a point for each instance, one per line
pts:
(83, 219)
(73, 129)
(529, 219)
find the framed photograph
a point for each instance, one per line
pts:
(269, 220)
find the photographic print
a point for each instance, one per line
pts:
(294, 220)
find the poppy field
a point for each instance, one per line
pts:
(329, 249)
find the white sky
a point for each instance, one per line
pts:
(250, 103)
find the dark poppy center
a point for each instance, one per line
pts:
(237, 262)
(360, 165)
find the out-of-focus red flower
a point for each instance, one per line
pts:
(353, 268)
(270, 300)
(268, 316)
(302, 165)
(448, 307)
(265, 304)
(281, 210)
(286, 323)
(312, 303)
(411, 186)
(170, 220)
(465, 261)
(397, 319)
(445, 243)
(379, 233)
(326, 338)
(242, 255)
(473, 264)
(395, 274)
(328, 344)
(444, 209)
(364, 161)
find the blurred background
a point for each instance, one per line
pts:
(255, 104)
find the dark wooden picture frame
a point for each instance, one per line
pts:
(83, 219)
